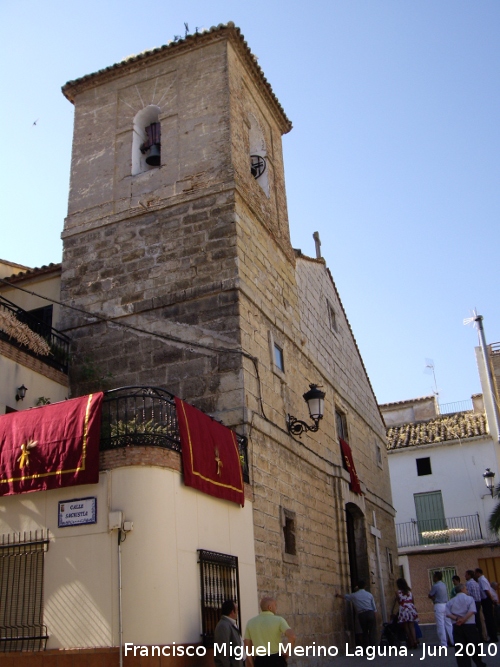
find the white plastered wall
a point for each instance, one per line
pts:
(13, 375)
(160, 571)
(456, 466)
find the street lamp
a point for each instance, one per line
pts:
(315, 399)
(489, 480)
(21, 393)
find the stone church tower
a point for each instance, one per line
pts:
(177, 228)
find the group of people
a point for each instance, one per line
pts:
(262, 631)
(484, 598)
(458, 620)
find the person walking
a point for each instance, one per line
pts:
(407, 614)
(474, 590)
(461, 610)
(266, 630)
(364, 606)
(439, 596)
(487, 604)
(228, 635)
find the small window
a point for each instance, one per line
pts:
(390, 562)
(332, 318)
(219, 582)
(289, 539)
(341, 423)
(379, 456)
(424, 466)
(278, 358)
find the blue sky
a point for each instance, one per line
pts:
(393, 158)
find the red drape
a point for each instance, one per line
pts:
(347, 454)
(210, 456)
(51, 446)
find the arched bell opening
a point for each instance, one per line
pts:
(146, 141)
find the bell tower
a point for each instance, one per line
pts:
(176, 173)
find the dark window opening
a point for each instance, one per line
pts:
(21, 592)
(289, 532)
(332, 318)
(219, 582)
(341, 423)
(39, 320)
(424, 466)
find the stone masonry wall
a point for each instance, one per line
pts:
(196, 252)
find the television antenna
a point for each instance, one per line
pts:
(430, 370)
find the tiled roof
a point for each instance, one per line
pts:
(32, 273)
(408, 400)
(129, 64)
(458, 426)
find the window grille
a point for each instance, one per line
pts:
(219, 582)
(448, 574)
(21, 592)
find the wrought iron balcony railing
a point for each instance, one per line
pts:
(57, 342)
(439, 531)
(147, 416)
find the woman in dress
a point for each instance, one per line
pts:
(407, 612)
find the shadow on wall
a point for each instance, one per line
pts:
(84, 628)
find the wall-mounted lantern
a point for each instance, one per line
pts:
(489, 480)
(315, 399)
(21, 393)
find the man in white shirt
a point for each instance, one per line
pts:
(439, 595)
(487, 604)
(461, 610)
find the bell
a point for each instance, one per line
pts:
(154, 157)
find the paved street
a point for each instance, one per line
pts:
(423, 656)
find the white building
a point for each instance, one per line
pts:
(437, 459)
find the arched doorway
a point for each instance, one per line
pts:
(356, 544)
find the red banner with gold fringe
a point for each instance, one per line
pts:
(210, 456)
(51, 446)
(347, 454)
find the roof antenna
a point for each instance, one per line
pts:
(430, 369)
(317, 243)
(187, 29)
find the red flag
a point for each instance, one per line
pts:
(51, 446)
(210, 456)
(347, 454)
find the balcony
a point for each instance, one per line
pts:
(452, 530)
(48, 344)
(146, 416)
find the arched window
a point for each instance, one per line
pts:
(146, 141)
(258, 162)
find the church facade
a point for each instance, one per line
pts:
(177, 254)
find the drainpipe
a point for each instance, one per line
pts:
(120, 615)
(489, 377)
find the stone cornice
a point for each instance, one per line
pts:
(130, 65)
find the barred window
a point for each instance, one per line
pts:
(219, 582)
(21, 592)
